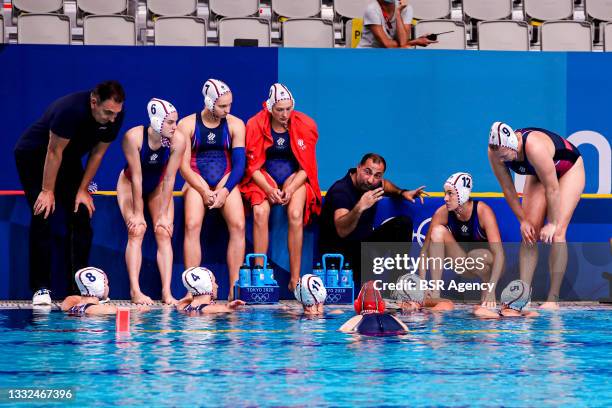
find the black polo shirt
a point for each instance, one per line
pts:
(344, 194)
(70, 117)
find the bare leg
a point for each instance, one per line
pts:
(133, 250)
(164, 246)
(442, 244)
(194, 216)
(261, 217)
(483, 273)
(233, 212)
(295, 236)
(571, 186)
(534, 207)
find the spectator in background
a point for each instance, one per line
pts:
(381, 28)
(347, 217)
(48, 158)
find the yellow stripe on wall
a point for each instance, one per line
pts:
(431, 194)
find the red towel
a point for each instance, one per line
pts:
(303, 134)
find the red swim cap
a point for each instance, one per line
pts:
(369, 300)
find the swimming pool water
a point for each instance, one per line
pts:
(263, 357)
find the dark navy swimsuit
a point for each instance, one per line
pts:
(198, 308)
(280, 161)
(79, 310)
(210, 151)
(566, 154)
(466, 231)
(379, 324)
(152, 163)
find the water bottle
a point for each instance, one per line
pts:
(319, 271)
(269, 275)
(257, 276)
(332, 276)
(244, 276)
(346, 276)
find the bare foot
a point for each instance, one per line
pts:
(141, 299)
(169, 300)
(230, 295)
(549, 306)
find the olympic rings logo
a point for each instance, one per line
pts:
(260, 297)
(333, 298)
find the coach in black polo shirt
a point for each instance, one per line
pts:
(347, 217)
(48, 157)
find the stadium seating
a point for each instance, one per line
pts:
(482, 10)
(504, 35)
(109, 30)
(308, 32)
(38, 6)
(43, 28)
(172, 8)
(296, 9)
(566, 35)
(502, 22)
(234, 8)
(599, 10)
(545, 10)
(181, 30)
(102, 7)
(431, 9)
(244, 31)
(450, 41)
(608, 37)
(350, 8)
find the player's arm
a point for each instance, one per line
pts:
(186, 127)
(45, 202)
(177, 151)
(440, 217)
(350, 324)
(131, 146)
(381, 36)
(69, 302)
(507, 184)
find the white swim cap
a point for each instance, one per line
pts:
(408, 289)
(213, 89)
(198, 281)
(502, 135)
(462, 184)
(516, 295)
(91, 281)
(310, 290)
(278, 92)
(159, 110)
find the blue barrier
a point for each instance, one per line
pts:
(592, 222)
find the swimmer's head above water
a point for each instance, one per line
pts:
(311, 293)
(200, 282)
(408, 292)
(92, 282)
(516, 295)
(369, 300)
